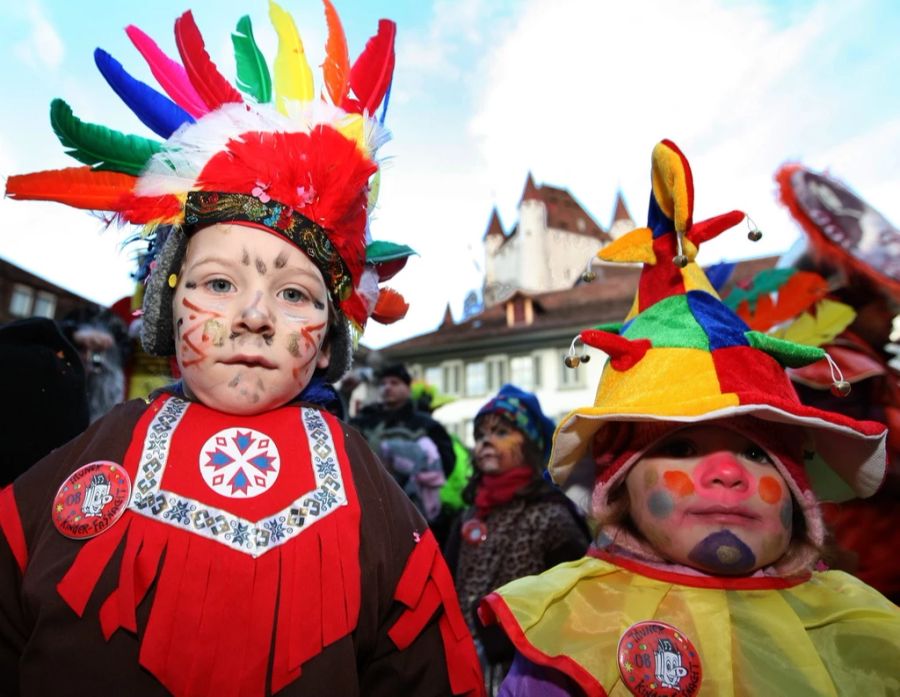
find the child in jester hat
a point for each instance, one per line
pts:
(702, 472)
(231, 537)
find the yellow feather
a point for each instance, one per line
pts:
(831, 319)
(293, 77)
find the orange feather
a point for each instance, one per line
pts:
(336, 68)
(79, 187)
(389, 307)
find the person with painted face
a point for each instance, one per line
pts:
(702, 474)
(517, 524)
(230, 536)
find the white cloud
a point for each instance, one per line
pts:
(42, 46)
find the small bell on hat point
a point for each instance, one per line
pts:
(585, 357)
(755, 235)
(572, 361)
(588, 276)
(840, 388)
(680, 260)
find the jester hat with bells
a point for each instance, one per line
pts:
(682, 356)
(269, 154)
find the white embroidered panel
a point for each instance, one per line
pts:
(253, 538)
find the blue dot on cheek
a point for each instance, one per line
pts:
(787, 514)
(660, 504)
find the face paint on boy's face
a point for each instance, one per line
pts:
(709, 498)
(498, 446)
(248, 335)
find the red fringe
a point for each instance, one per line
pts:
(11, 527)
(424, 587)
(214, 608)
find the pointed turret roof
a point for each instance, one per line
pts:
(620, 210)
(494, 226)
(448, 318)
(531, 191)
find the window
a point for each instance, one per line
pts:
(434, 376)
(522, 373)
(452, 373)
(21, 301)
(476, 379)
(496, 373)
(44, 305)
(569, 377)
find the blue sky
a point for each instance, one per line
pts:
(576, 91)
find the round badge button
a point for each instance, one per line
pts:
(658, 660)
(91, 500)
(474, 531)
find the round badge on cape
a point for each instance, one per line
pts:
(657, 660)
(474, 531)
(91, 500)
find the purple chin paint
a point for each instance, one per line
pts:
(722, 552)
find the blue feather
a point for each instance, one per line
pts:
(159, 113)
(718, 274)
(387, 98)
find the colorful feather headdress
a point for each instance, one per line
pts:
(269, 153)
(682, 355)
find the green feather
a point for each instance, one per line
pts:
(252, 72)
(101, 147)
(765, 282)
(380, 251)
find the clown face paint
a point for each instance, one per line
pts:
(498, 446)
(710, 498)
(251, 316)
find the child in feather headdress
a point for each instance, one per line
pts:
(702, 473)
(231, 537)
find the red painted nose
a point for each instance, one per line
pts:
(721, 477)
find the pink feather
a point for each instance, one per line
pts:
(170, 74)
(371, 73)
(212, 87)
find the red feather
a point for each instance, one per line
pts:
(371, 73)
(79, 187)
(212, 87)
(336, 67)
(141, 210)
(390, 306)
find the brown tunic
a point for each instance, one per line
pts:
(46, 649)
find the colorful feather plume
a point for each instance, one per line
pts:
(170, 74)
(336, 68)
(253, 76)
(156, 111)
(293, 77)
(372, 72)
(79, 187)
(390, 307)
(212, 87)
(101, 147)
(820, 326)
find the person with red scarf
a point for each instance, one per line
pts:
(517, 523)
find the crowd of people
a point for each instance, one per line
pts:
(240, 532)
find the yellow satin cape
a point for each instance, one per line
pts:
(828, 635)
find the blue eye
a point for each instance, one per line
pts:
(293, 295)
(220, 285)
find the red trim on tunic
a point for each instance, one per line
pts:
(732, 583)
(11, 527)
(494, 609)
(425, 586)
(293, 600)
